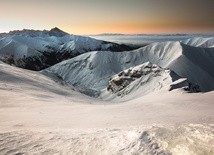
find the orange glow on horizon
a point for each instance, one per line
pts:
(133, 29)
(109, 16)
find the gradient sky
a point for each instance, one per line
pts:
(109, 16)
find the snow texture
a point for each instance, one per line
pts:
(42, 115)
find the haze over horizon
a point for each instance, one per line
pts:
(112, 16)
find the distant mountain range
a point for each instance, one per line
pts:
(142, 34)
(36, 50)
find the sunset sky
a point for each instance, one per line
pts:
(109, 16)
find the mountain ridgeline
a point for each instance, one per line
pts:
(37, 50)
(95, 72)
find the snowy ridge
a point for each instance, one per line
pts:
(92, 71)
(37, 50)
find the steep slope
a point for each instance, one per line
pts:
(92, 71)
(37, 50)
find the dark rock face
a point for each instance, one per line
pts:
(7, 59)
(119, 47)
(33, 33)
(187, 86)
(57, 32)
(124, 78)
(194, 88)
(36, 63)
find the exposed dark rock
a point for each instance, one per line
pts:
(187, 86)
(124, 78)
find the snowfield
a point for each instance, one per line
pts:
(155, 100)
(179, 139)
(39, 115)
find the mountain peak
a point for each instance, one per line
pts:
(56, 29)
(57, 32)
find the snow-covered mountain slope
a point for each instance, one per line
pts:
(30, 83)
(91, 72)
(37, 50)
(28, 88)
(200, 42)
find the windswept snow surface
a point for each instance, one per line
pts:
(91, 72)
(37, 50)
(42, 115)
